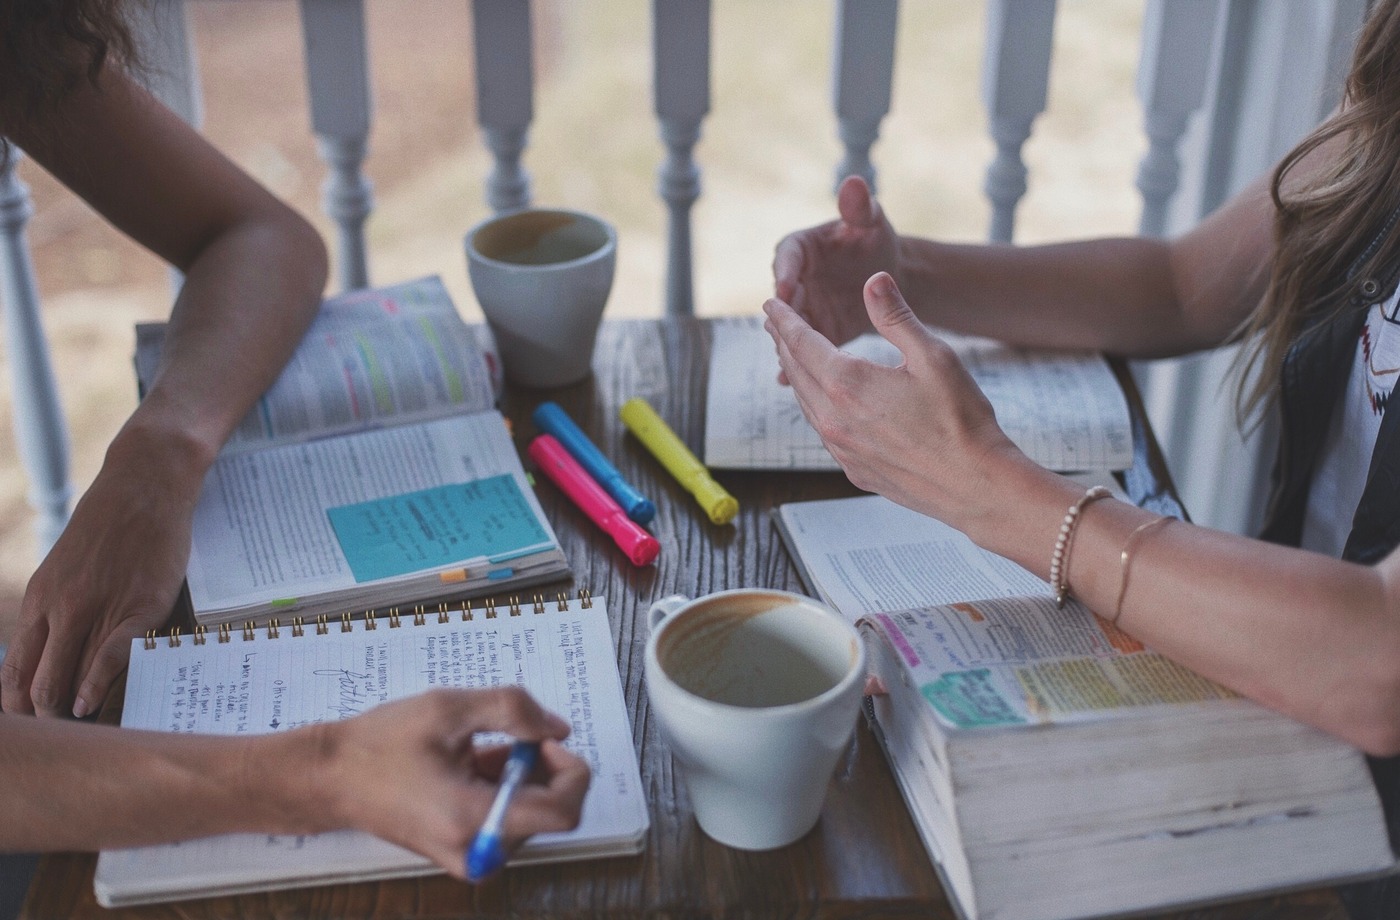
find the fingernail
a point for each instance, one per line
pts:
(882, 284)
(80, 708)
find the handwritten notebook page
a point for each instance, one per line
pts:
(1065, 410)
(566, 659)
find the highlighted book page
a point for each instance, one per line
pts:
(388, 356)
(1017, 661)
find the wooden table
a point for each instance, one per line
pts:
(864, 859)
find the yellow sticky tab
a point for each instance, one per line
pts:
(453, 577)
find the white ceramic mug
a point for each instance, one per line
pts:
(542, 278)
(756, 693)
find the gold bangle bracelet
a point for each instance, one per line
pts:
(1126, 560)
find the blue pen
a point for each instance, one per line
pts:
(554, 420)
(488, 852)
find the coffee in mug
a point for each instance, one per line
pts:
(542, 278)
(756, 693)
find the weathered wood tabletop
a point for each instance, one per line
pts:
(864, 859)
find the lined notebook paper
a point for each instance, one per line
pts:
(267, 680)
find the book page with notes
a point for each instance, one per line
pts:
(1064, 409)
(258, 683)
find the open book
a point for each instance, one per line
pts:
(375, 471)
(268, 680)
(1065, 410)
(1054, 766)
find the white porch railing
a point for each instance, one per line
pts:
(1218, 104)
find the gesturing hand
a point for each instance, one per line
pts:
(408, 771)
(819, 271)
(921, 434)
(113, 574)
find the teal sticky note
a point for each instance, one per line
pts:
(968, 699)
(435, 527)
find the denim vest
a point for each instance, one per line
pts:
(1315, 373)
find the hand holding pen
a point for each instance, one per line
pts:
(409, 772)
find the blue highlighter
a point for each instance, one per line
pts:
(550, 418)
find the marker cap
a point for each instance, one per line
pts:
(552, 419)
(639, 508)
(718, 504)
(639, 546)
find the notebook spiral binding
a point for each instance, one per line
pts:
(370, 619)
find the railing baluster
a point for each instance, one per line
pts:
(864, 73)
(40, 432)
(1015, 75)
(505, 86)
(337, 78)
(171, 72)
(1177, 41)
(681, 77)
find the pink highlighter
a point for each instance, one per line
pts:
(560, 466)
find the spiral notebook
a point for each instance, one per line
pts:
(273, 678)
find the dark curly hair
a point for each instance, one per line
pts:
(50, 47)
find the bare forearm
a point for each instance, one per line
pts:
(1311, 636)
(71, 786)
(254, 272)
(254, 269)
(407, 772)
(1135, 297)
(1115, 295)
(244, 306)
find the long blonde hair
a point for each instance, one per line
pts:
(1323, 225)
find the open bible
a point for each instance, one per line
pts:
(1055, 766)
(375, 471)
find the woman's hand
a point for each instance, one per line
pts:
(409, 772)
(819, 271)
(921, 434)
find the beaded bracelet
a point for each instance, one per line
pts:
(1059, 560)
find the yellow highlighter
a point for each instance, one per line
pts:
(641, 419)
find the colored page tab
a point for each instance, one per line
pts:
(435, 527)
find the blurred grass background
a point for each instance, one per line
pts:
(767, 153)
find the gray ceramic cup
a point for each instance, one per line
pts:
(542, 278)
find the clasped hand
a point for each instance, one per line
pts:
(921, 434)
(820, 271)
(114, 573)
